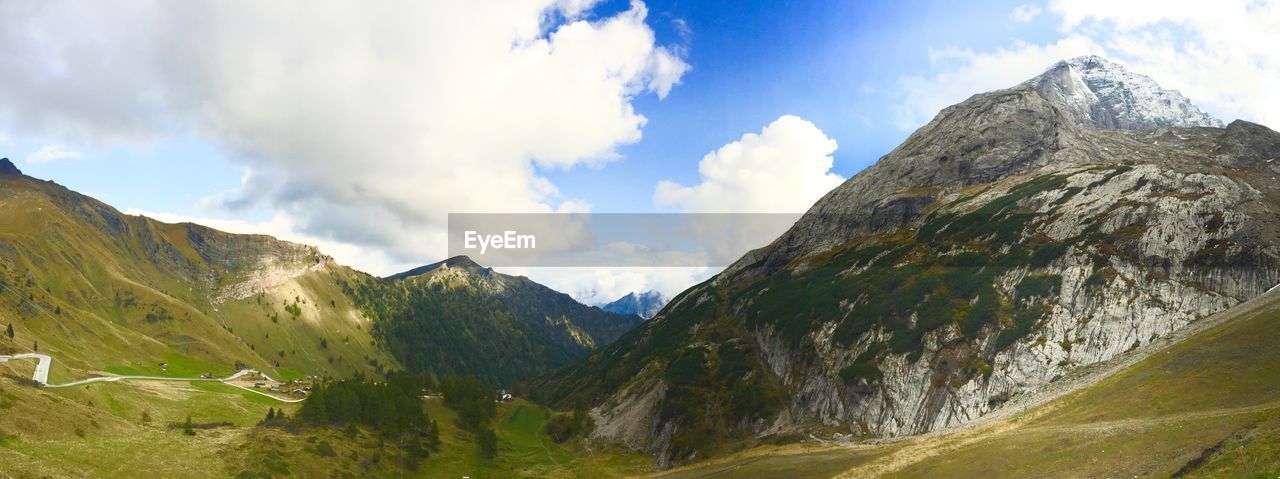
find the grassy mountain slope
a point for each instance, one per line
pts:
(104, 291)
(1205, 406)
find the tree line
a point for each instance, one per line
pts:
(391, 408)
(394, 409)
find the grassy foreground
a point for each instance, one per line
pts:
(123, 429)
(1207, 406)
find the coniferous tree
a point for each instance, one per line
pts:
(9, 332)
(472, 400)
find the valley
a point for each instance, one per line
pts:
(132, 344)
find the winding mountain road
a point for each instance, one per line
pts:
(41, 376)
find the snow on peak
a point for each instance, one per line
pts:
(1098, 92)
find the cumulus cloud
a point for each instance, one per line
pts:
(364, 123)
(49, 153)
(1024, 13)
(783, 169)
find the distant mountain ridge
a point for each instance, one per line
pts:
(458, 317)
(456, 262)
(103, 290)
(644, 304)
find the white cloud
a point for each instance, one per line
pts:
(603, 285)
(783, 169)
(3, 137)
(364, 123)
(49, 153)
(961, 73)
(1024, 13)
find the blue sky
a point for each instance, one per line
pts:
(834, 63)
(358, 127)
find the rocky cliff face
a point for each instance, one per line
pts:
(1019, 235)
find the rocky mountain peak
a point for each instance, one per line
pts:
(461, 263)
(644, 304)
(1056, 117)
(1097, 92)
(7, 168)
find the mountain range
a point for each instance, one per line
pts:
(644, 304)
(104, 291)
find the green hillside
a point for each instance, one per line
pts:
(456, 317)
(103, 291)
